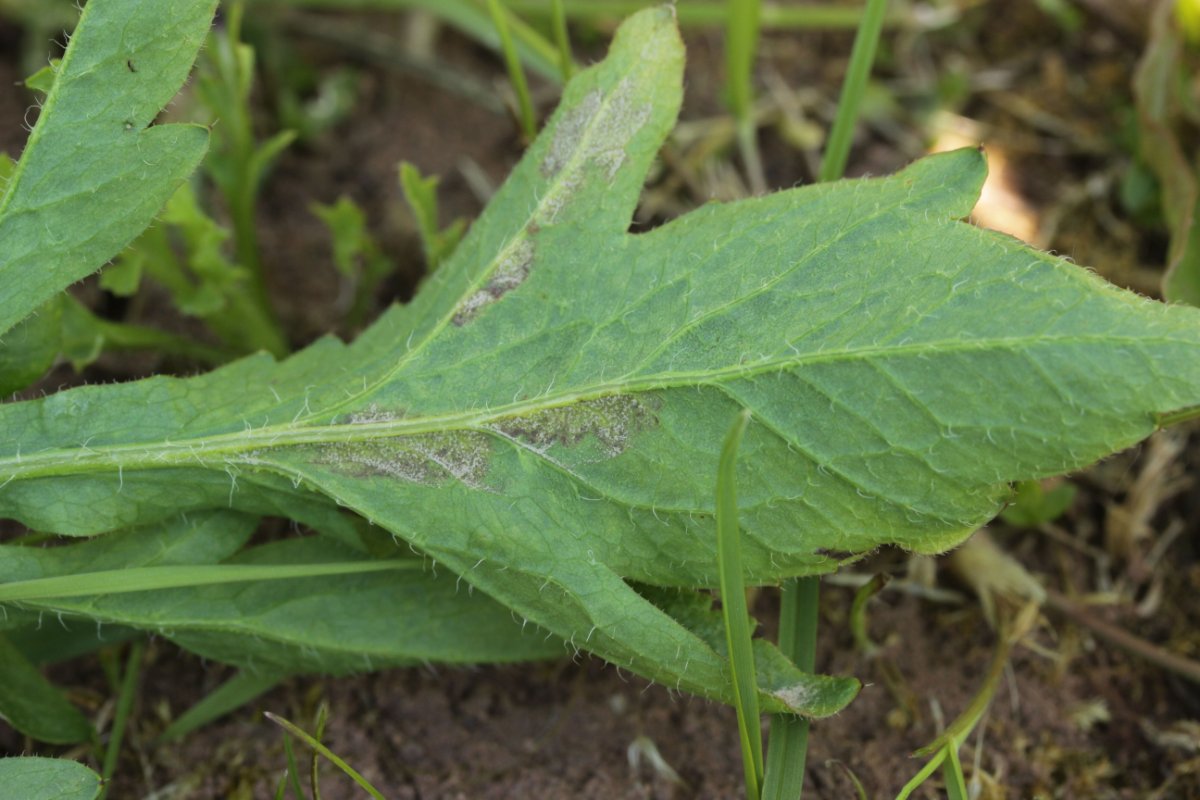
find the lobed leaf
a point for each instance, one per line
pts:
(545, 418)
(95, 169)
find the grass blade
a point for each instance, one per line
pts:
(303, 736)
(120, 581)
(558, 22)
(733, 604)
(741, 49)
(952, 773)
(787, 753)
(516, 73)
(128, 691)
(231, 695)
(292, 775)
(837, 151)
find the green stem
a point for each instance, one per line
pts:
(837, 152)
(858, 613)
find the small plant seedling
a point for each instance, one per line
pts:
(543, 421)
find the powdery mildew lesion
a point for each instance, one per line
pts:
(569, 132)
(427, 459)
(595, 132)
(611, 420)
(372, 414)
(513, 270)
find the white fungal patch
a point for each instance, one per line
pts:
(511, 273)
(615, 128)
(428, 459)
(597, 131)
(612, 421)
(796, 696)
(371, 414)
(569, 132)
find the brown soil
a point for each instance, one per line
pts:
(1074, 717)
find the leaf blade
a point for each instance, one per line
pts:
(95, 170)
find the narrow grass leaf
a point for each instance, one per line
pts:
(292, 774)
(317, 747)
(952, 774)
(126, 695)
(331, 623)
(787, 745)
(733, 608)
(141, 579)
(229, 696)
(558, 22)
(516, 73)
(924, 774)
(854, 88)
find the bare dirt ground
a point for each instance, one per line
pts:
(1076, 717)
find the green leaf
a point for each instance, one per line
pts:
(1034, 504)
(95, 169)
(356, 255)
(544, 419)
(43, 79)
(420, 193)
(33, 706)
(31, 778)
(28, 350)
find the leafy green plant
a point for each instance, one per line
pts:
(543, 421)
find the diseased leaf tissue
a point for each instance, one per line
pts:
(544, 419)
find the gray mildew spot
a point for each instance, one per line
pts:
(795, 696)
(615, 128)
(372, 414)
(429, 459)
(511, 273)
(597, 131)
(611, 420)
(569, 132)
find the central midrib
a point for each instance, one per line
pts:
(241, 447)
